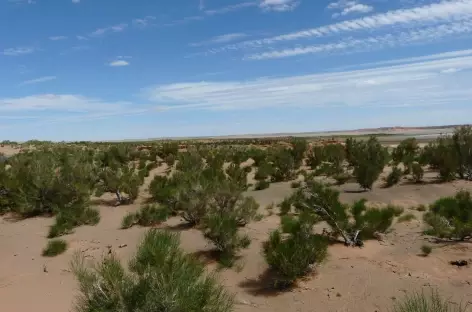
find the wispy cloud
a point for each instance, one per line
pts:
(18, 51)
(143, 22)
(346, 7)
(417, 84)
(75, 1)
(443, 12)
(279, 5)
(38, 80)
(81, 38)
(56, 38)
(118, 63)
(111, 29)
(423, 35)
(220, 39)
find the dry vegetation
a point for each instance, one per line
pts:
(335, 221)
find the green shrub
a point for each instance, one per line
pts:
(264, 170)
(394, 177)
(295, 184)
(55, 247)
(417, 172)
(342, 178)
(161, 278)
(407, 218)
(421, 208)
(315, 157)
(406, 152)
(299, 147)
(451, 217)
(370, 159)
(292, 250)
(426, 250)
(128, 221)
(73, 216)
(283, 164)
(369, 221)
(397, 210)
(262, 185)
(222, 230)
(420, 302)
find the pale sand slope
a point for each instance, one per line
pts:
(357, 280)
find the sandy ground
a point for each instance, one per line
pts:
(352, 279)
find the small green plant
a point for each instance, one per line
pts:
(128, 221)
(397, 210)
(161, 277)
(421, 208)
(295, 184)
(421, 302)
(417, 172)
(285, 206)
(406, 218)
(394, 177)
(426, 250)
(148, 215)
(261, 185)
(342, 178)
(55, 247)
(292, 250)
(70, 218)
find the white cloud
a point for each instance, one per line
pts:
(60, 103)
(118, 63)
(110, 29)
(81, 38)
(436, 13)
(75, 1)
(143, 22)
(220, 39)
(279, 5)
(346, 7)
(18, 51)
(406, 85)
(38, 80)
(56, 38)
(428, 34)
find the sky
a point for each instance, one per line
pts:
(129, 69)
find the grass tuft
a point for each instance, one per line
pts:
(55, 247)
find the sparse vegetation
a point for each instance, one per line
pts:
(292, 250)
(394, 177)
(421, 302)
(55, 247)
(426, 250)
(161, 277)
(406, 218)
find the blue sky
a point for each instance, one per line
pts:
(121, 69)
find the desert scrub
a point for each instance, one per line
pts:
(417, 172)
(393, 177)
(72, 217)
(55, 247)
(342, 178)
(426, 250)
(292, 250)
(261, 185)
(148, 215)
(451, 217)
(295, 184)
(397, 210)
(161, 277)
(406, 218)
(420, 302)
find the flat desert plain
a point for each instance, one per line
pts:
(371, 278)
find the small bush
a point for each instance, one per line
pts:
(421, 208)
(55, 247)
(292, 250)
(342, 178)
(285, 206)
(451, 217)
(148, 215)
(417, 172)
(426, 250)
(262, 185)
(295, 184)
(222, 230)
(70, 218)
(394, 177)
(419, 302)
(161, 278)
(406, 218)
(128, 221)
(397, 210)
(371, 220)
